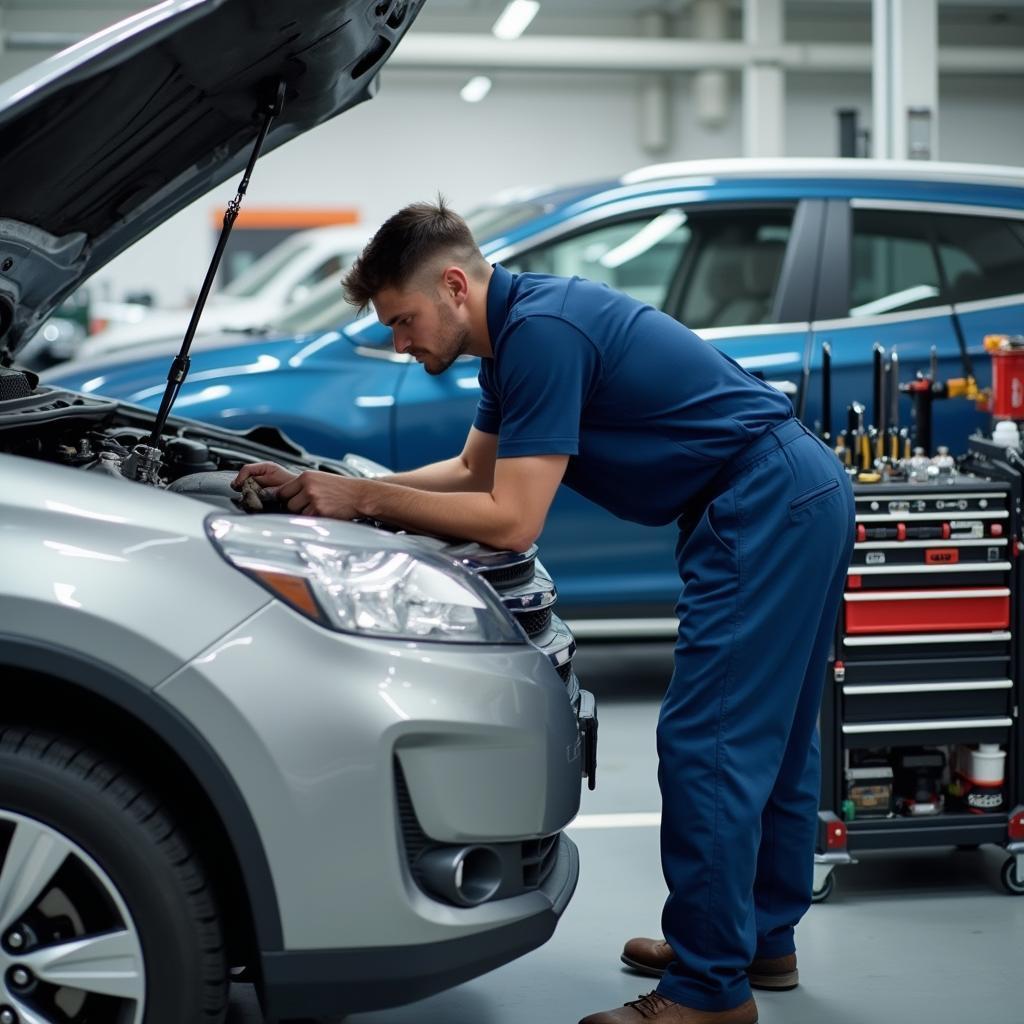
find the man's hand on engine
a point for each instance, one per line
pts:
(268, 475)
(322, 494)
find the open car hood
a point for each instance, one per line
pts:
(106, 140)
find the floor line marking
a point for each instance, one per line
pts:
(641, 819)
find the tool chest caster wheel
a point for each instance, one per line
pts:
(822, 894)
(1012, 877)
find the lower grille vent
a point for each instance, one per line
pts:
(525, 866)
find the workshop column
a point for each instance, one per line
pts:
(710, 86)
(905, 79)
(764, 84)
(655, 103)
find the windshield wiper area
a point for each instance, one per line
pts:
(145, 459)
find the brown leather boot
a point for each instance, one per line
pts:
(659, 1010)
(648, 956)
(652, 956)
(777, 973)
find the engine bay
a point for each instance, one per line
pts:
(99, 435)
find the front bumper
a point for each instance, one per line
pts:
(310, 724)
(351, 980)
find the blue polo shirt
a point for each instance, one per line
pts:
(647, 412)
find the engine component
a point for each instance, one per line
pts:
(214, 488)
(109, 463)
(189, 455)
(143, 465)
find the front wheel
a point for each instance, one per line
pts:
(105, 914)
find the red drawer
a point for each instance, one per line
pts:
(927, 611)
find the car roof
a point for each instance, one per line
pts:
(835, 168)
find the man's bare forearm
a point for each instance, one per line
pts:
(471, 515)
(447, 476)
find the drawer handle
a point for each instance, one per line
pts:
(905, 517)
(912, 570)
(924, 638)
(950, 723)
(993, 684)
(976, 542)
(926, 595)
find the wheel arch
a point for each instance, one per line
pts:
(76, 695)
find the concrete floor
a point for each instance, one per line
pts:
(922, 936)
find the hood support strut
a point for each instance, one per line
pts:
(179, 367)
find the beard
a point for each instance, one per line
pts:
(453, 341)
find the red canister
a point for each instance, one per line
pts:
(1007, 352)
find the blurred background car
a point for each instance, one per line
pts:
(767, 260)
(268, 289)
(63, 334)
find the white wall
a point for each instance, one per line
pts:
(417, 137)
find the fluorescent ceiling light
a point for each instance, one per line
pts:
(476, 89)
(515, 19)
(649, 235)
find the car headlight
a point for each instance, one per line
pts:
(346, 578)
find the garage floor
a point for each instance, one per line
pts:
(929, 936)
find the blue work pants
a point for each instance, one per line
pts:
(763, 571)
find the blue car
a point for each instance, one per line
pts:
(767, 260)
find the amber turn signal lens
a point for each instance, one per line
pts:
(293, 590)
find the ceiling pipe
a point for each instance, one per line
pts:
(441, 50)
(464, 51)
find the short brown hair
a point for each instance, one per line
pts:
(406, 244)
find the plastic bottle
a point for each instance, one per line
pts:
(918, 467)
(945, 465)
(987, 763)
(1006, 434)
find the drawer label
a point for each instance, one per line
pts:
(941, 556)
(875, 558)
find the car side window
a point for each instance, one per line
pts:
(982, 257)
(892, 266)
(734, 266)
(638, 256)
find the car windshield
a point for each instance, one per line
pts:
(322, 308)
(491, 221)
(257, 275)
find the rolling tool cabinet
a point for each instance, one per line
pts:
(926, 658)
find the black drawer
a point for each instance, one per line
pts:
(907, 732)
(977, 500)
(887, 702)
(925, 554)
(900, 645)
(928, 669)
(967, 574)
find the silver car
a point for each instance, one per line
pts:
(333, 757)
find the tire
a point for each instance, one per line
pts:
(1011, 878)
(822, 894)
(100, 857)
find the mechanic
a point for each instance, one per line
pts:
(585, 386)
